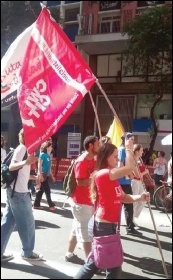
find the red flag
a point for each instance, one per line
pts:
(54, 79)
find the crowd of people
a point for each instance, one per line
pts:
(107, 179)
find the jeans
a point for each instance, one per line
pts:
(44, 188)
(18, 212)
(89, 268)
(128, 209)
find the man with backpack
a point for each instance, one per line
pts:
(82, 207)
(18, 211)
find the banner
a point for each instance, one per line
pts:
(10, 67)
(115, 132)
(54, 79)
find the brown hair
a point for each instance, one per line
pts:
(104, 152)
(44, 146)
(137, 147)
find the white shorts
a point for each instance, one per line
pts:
(82, 214)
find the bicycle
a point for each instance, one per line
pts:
(162, 197)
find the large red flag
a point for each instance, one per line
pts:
(54, 79)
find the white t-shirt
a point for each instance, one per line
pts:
(160, 166)
(3, 154)
(170, 170)
(24, 173)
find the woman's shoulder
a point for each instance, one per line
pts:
(102, 173)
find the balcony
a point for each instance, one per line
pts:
(100, 37)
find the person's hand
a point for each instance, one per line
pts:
(129, 144)
(145, 196)
(53, 179)
(146, 171)
(31, 159)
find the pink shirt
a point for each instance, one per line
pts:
(109, 197)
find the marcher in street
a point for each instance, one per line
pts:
(108, 195)
(125, 183)
(18, 212)
(82, 206)
(160, 165)
(136, 183)
(44, 172)
(3, 151)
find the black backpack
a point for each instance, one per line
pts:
(7, 176)
(69, 183)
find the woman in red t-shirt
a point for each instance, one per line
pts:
(108, 196)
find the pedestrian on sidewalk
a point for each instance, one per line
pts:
(44, 172)
(108, 196)
(18, 212)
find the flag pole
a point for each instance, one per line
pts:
(109, 103)
(97, 118)
(154, 224)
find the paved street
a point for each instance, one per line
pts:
(142, 259)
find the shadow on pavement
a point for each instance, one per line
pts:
(127, 275)
(149, 266)
(44, 225)
(149, 241)
(42, 270)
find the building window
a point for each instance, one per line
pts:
(71, 14)
(124, 106)
(53, 3)
(71, 31)
(109, 23)
(69, 2)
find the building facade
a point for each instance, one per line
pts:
(101, 42)
(95, 28)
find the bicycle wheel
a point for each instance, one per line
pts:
(161, 198)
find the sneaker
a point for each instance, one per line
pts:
(74, 259)
(136, 225)
(134, 232)
(38, 207)
(52, 208)
(6, 258)
(33, 257)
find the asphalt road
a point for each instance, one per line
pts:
(142, 258)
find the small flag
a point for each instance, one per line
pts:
(54, 80)
(115, 132)
(11, 65)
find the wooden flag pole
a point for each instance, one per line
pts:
(109, 103)
(97, 118)
(154, 224)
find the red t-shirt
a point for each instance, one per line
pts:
(83, 169)
(141, 168)
(109, 197)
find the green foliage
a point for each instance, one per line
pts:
(148, 53)
(15, 17)
(149, 48)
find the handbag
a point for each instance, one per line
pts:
(107, 251)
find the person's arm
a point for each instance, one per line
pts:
(155, 162)
(120, 172)
(40, 176)
(127, 198)
(15, 165)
